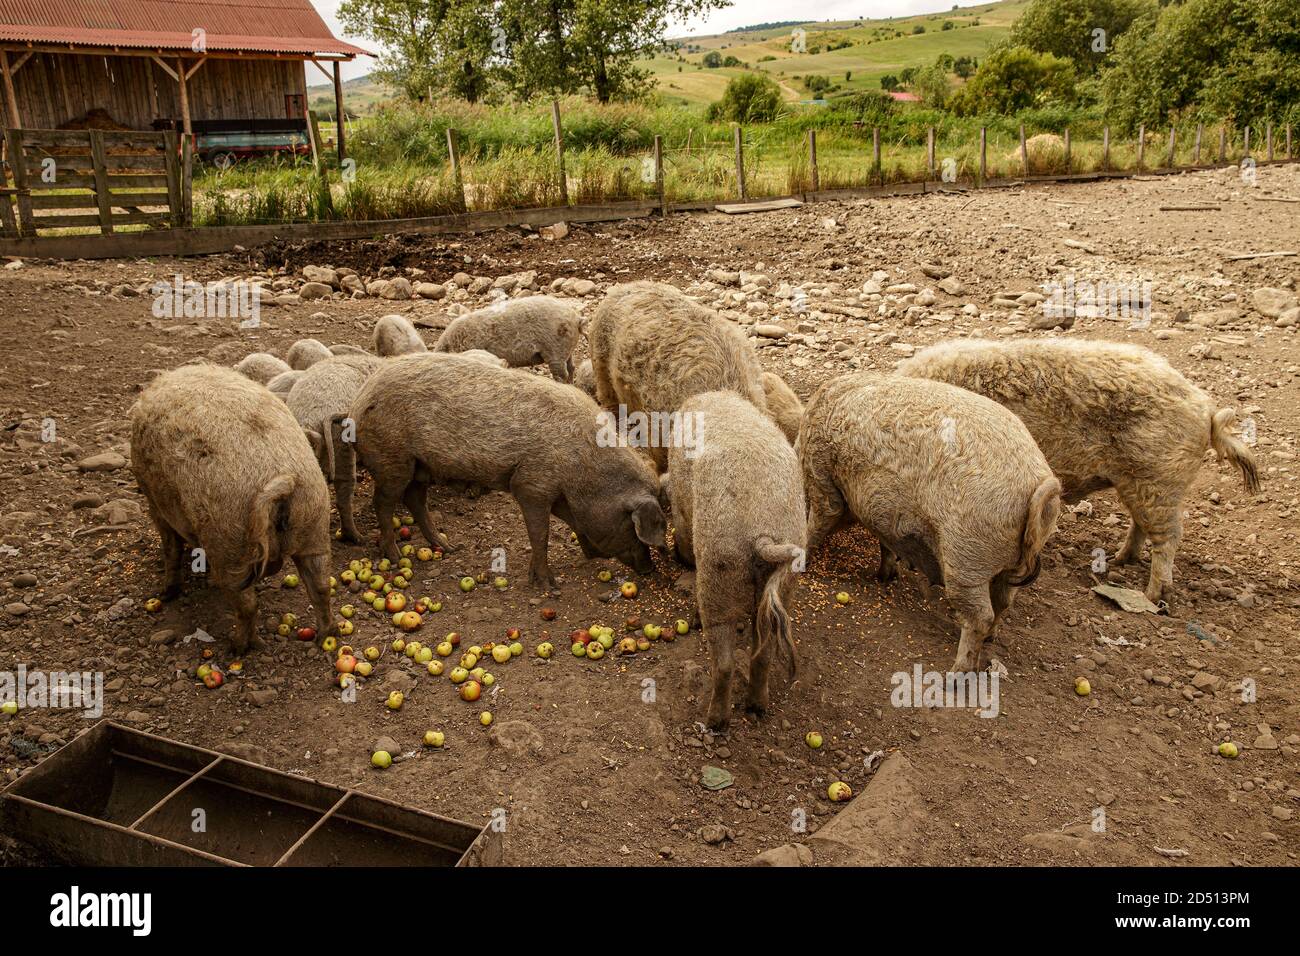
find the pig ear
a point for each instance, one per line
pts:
(648, 519)
(665, 493)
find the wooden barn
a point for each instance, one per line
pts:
(224, 66)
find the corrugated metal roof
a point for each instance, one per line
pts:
(263, 26)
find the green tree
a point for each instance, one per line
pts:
(1013, 78)
(889, 82)
(749, 98)
(931, 84)
(712, 59)
(1084, 31)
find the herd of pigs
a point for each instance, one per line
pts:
(958, 462)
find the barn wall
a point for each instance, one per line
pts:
(57, 88)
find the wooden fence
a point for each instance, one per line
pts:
(62, 179)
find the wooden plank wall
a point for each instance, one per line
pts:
(57, 88)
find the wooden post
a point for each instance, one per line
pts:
(101, 181)
(1196, 156)
(929, 152)
(187, 180)
(1173, 147)
(339, 137)
(313, 137)
(1247, 141)
(18, 163)
(740, 163)
(1289, 153)
(876, 166)
(1105, 149)
(184, 97)
(559, 152)
(1223, 144)
(1067, 151)
(984, 154)
(1268, 136)
(813, 178)
(172, 147)
(453, 159)
(1024, 153)
(659, 176)
(1142, 144)
(11, 98)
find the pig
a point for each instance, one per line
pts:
(224, 467)
(584, 378)
(282, 383)
(305, 353)
(1106, 415)
(524, 332)
(320, 401)
(482, 355)
(343, 348)
(783, 405)
(947, 479)
(745, 547)
(507, 431)
(261, 367)
(652, 348)
(395, 335)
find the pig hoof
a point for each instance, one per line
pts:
(758, 710)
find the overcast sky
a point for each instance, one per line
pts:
(740, 13)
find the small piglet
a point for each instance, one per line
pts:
(225, 468)
(509, 431)
(947, 479)
(1106, 415)
(528, 331)
(738, 516)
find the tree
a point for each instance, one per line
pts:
(749, 98)
(564, 46)
(963, 66)
(429, 45)
(1013, 78)
(931, 84)
(712, 59)
(889, 82)
(1084, 31)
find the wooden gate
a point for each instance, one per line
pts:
(92, 180)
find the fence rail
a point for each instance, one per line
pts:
(73, 179)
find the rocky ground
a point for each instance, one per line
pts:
(604, 761)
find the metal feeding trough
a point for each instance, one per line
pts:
(119, 797)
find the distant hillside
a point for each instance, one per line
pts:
(360, 95)
(852, 53)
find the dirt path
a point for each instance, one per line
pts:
(599, 762)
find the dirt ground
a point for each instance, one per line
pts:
(601, 761)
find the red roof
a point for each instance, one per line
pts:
(263, 26)
(895, 94)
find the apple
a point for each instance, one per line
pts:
(628, 589)
(476, 650)
(485, 718)
(348, 576)
(1226, 749)
(501, 653)
(1082, 687)
(467, 584)
(435, 668)
(469, 661)
(548, 614)
(306, 633)
(579, 649)
(395, 700)
(381, 759)
(413, 648)
(605, 638)
(346, 664)
(202, 671)
(595, 650)
(632, 623)
(290, 581)
(9, 708)
(839, 791)
(545, 650)
(487, 680)
(404, 533)
(364, 668)
(405, 562)
(400, 582)
(813, 739)
(643, 643)
(580, 637)
(481, 577)
(444, 649)
(214, 679)
(206, 653)
(458, 675)
(371, 653)
(515, 648)
(453, 638)
(290, 619)
(513, 634)
(409, 620)
(604, 575)
(329, 645)
(235, 667)
(627, 645)
(500, 583)
(435, 607)
(346, 628)
(369, 597)
(424, 655)
(398, 645)
(681, 627)
(652, 631)
(843, 598)
(378, 604)
(153, 605)
(385, 564)
(471, 690)
(434, 738)
(283, 630)
(424, 554)
(395, 602)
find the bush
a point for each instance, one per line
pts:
(1013, 78)
(712, 60)
(749, 98)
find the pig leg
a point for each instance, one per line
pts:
(245, 602)
(606, 397)
(560, 370)
(537, 519)
(683, 543)
(345, 483)
(416, 499)
(386, 495)
(826, 509)
(722, 642)
(758, 697)
(888, 570)
(173, 561)
(974, 611)
(314, 571)
(1132, 549)
(562, 511)
(1166, 531)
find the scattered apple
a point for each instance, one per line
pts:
(545, 650)
(394, 602)
(579, 650)
(453, 639)
(329, 645)
(595, 650)
(515, 648)
(409, 620)
(290, 581)
(395, 700)
(652, 631)
(485, 718)
(365, 668)
(153, 605)
(813, 739)
(9, 708)
(398, 645)
(381, 759)
(379, 604)
(605, 638)
(435, 668)
(371, 653)
(203, 671)
(467, 584)
(469, 661)
(580, 637)
(1082, 687)
(628, 589)
(424, 554)
(471, 690)
(839, 791)
(500, 583)
(458, 675)
(404, 533)
(487, 680)
(434, 738)
(424, 655)
(444, 649)
(346, 680)
(548, 614)
(214, 679)
(643, 643)
(501, 653)
(604, 575)
(346, 664)
(681, 627)
(627, 645)
(843, 598)
(346, 628)
(1228, 749)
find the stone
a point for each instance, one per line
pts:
(791, 854)
(1271, 303)
(321, 275)
(104, 461)
(260, 698)
(715, 833)
(518, 738)
(430, 290)
(314, 290)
